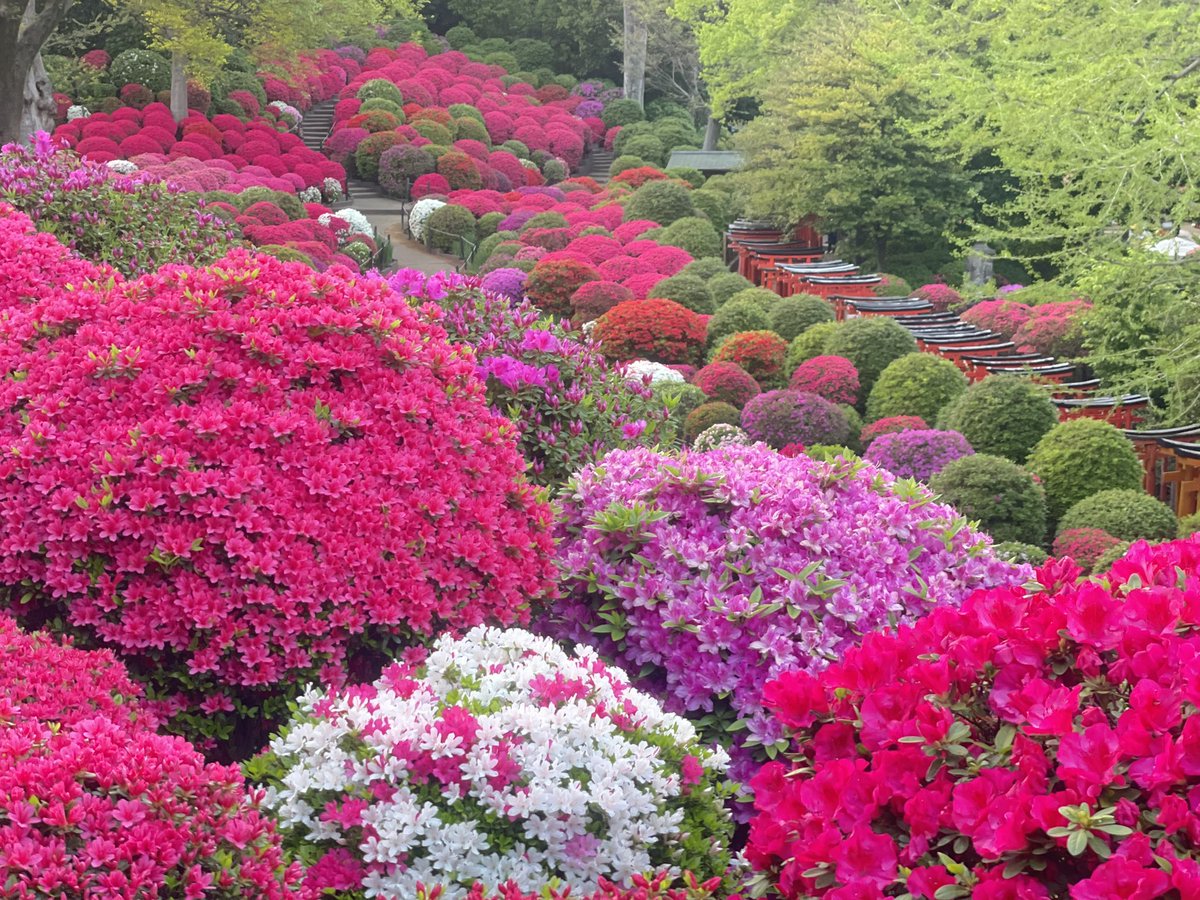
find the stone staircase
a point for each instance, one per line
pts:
(317, 124)
(597, 164)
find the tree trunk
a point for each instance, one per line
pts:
(23, 29)
(179, 104)
(881, 243)
(38, 108)
(712, 133)
(637, 36)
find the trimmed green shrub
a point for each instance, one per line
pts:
(694, 234)
(708, 414)
(809, 344)
(1004, 415)
(433, 132)
(694, 177)
(734, 317)
(554, 170)
(459, 36)
(1002, 496)
(871, 344)
(760, 297)
(467, 128)
(647, 146)
(448, 224)
(380, 89)
(516, 148)
(792, 316)
(465, 111)
(918, 384)
(143, 67)
(724, 286)
(624, 163)
(705, 268)
(1017, 552)
(1128, 514)
(370, 149)
(544, 220)
(382, 104)
(486, 226)
(1189, 525)
(663, 202)
(532, 53)
(1081, 457)
(715, 206)
(622, 112)
(686, 290)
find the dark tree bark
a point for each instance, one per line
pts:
(24, 87)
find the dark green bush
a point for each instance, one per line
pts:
(544, 220)
(686, 290)
(367, 153)
(459, 36)
(794, 315)
(694, 234)
(1125, 513)
(715, 206)
(760, 297)
(143, 67)
(625, 162)
(706, 268)
(465, 111)
(434, 132)
(871, 344)
(1017, 552)
(1004, 415)
(1002, 496)
(809, 344)
(919, 384)
(646, 146)
(694, 177)
(449, 225)
(532, 53)
(467, 128)
(734, 317)
(708, 414)
(486, 226)
(516, 148)
(663, 202)
(725, 285)
(1079, 458)
(622, 112)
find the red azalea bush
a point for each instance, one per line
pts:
(890, 425)
(1053, 329)
(94, 804)
(831, 377)
(594, 298)
(1085, 545)
(727, 382)
(1034, 743)
(661, 887)
(760, 353)
(553, 282)
(213, 526)
(635, 178)
(942, 296)
(1001, 316)
(657, 330)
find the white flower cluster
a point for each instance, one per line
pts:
(332, 189)
(288, 113)
(638, 369)
(359, 223)
(721, 435)
(529, 164)
(310, 195)
(77, 112)
(122, 166)
(421, 211)
(532, 777)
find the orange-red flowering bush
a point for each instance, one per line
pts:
(657, 330)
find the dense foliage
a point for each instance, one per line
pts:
(1004, 498)
(1004, 415)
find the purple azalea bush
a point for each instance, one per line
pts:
(787, 417)
(919, 454)
(570, 406)
(713, 573)
(506, 282)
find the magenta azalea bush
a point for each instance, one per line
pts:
(833, 377)
(779, 418)
(1042, 741)
(713, 573)
(245, 477)
(919, 453)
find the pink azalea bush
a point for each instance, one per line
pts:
(833, 377)
(94, 804)
(917, 453)
(889, 425)
(713, 573)
(1038, 742)
(291, 471)
(497, 758)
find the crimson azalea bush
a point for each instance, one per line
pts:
(569, 405)
(713, 572)
(831, 377)
(213, 527)
(1084, 545)
(942, 296)
(1040, 741)
(1000, 315)
(760, 353)
(94, 804)
(657, 330)
(660, 887)
(727, 382)
(552, 283)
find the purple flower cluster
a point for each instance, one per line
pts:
(779, 418)
(713, 573)
(506, 282)
(918, 454)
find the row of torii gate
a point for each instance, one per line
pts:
(795, 261)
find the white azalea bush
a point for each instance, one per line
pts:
(499, 760)
(421, 211)
(639, 369)
(721, 435)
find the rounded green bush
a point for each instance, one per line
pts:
(544, 220)
(725, 285)
(625, 162)
(792, 316)
(647, 146)
(1018, 552)
(663, 202)
(715, 206)
(516, 148)
(809, 344)
(380, 89)
(1081, 457)
(1125, 513)
(448, 225)
(1002, 496)
(760, 297)
(284, 254)
(459, 36)
(486, 226)
(686, 290)
(734, 317)
(706, 268)
(918, 384)
(370, 149)
(871, 344)
(532, 53)
(706, 415)
(694, 234)
(465, 111)
(383, 105)
(1004, 415)
(554, 170)
(622, 112)
(1189, 525)
(467, 128)
(694, 177)
(434, 132)
(143, 67)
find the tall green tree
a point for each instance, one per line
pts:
(840, 138)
